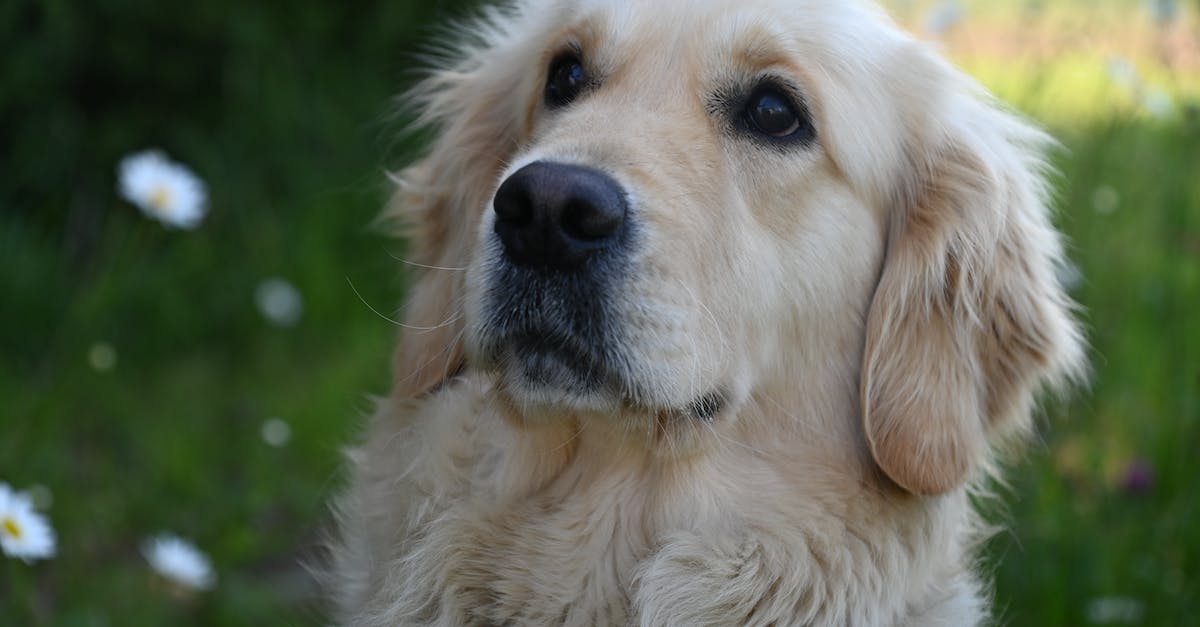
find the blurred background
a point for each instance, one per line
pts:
(200, 381)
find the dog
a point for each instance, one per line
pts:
(721, 310)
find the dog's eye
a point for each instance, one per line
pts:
(772, 114)
(565, 81)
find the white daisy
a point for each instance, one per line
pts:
(1106, 199)
(279, 302)
(1122, 73)
(24, 534)
(163, 189)
(102, 357)
(1158, 103)
(1115, 611)
(276, 432)
(179, 561)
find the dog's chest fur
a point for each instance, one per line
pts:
(511, 526)
(490, 523)
(542, 560)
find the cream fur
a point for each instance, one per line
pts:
(879, 309)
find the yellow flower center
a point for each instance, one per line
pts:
(10, 527)
(160, 197)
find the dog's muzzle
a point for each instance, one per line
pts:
(562, 240)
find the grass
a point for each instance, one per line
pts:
(169, 438)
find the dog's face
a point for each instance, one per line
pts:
(673, 218)
(669, 209)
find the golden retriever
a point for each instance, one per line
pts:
(721, 309)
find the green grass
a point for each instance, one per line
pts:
(286, 139)
(283, 115)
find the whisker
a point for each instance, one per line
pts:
(721, 339)
(445, 351)
(449, 321)
(574, 436)
(425, 266)
(448, 349)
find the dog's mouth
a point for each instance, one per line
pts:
(554, 360)
(556, 370)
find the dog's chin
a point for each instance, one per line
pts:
(545, 381)
(544, 378)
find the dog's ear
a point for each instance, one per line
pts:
(477, 108)
(968, 318)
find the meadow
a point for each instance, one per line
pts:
(145, 389)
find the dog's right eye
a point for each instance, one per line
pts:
(565, 80)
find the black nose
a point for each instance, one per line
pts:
(556, 215)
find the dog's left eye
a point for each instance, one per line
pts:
(769, 112)
(565, 80)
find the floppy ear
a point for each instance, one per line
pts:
(478, 108)
(968, 319)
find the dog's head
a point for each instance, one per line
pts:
(666, 208)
